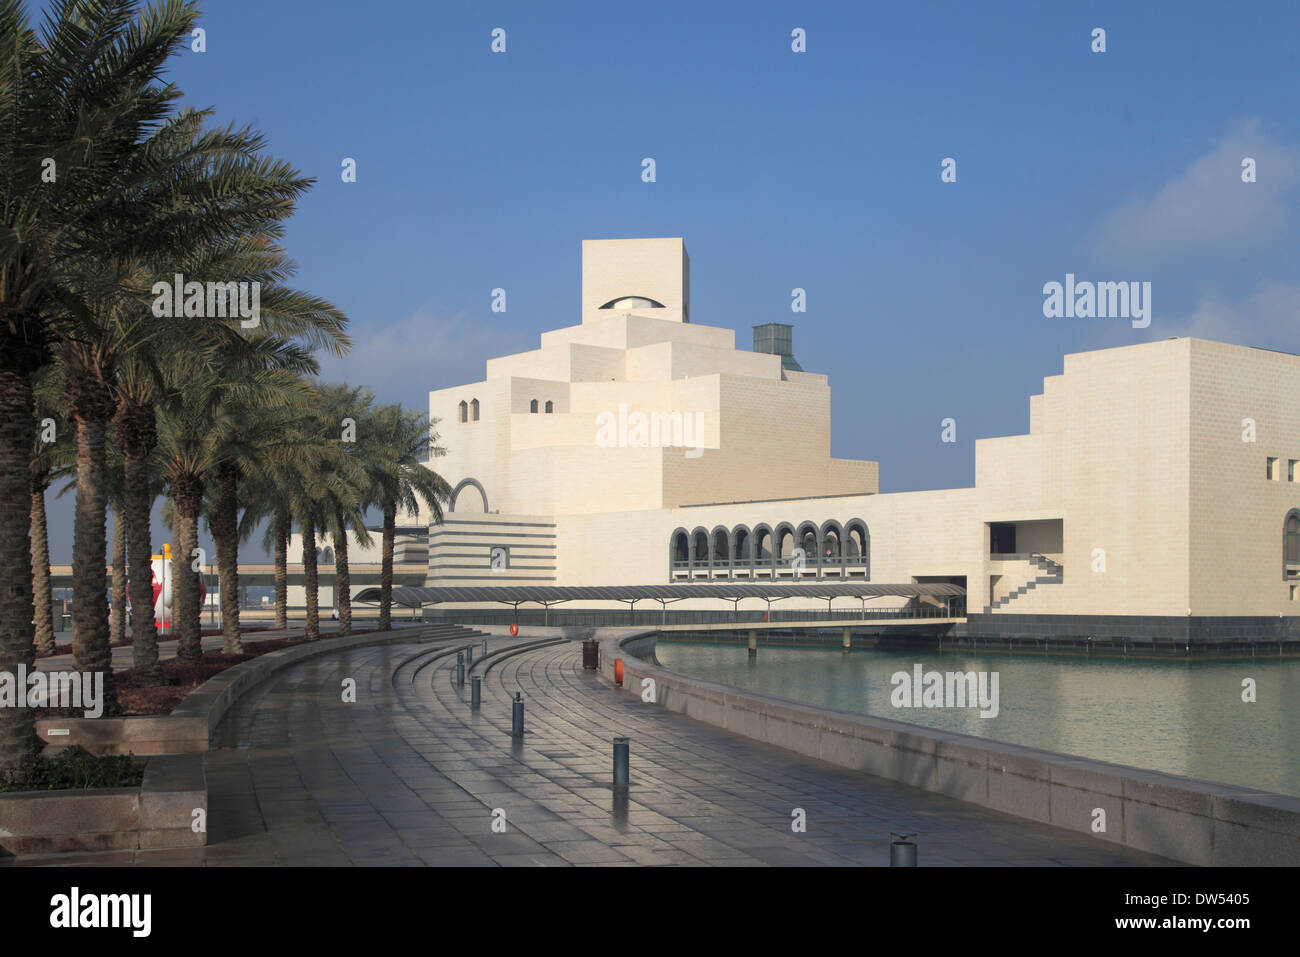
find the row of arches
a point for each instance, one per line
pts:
(831, 545)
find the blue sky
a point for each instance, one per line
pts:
(818, 170)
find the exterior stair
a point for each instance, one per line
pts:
(1049, 573)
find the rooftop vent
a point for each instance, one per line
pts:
(777, 339)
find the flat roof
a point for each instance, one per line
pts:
(732, 591)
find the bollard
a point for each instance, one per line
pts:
(620, 762)
(848, 640)
(618, 671)
(902, 850)
(475, 691)
(469, 656)
(460, 669)
(517, 716)
(484, 654)
(753, 644)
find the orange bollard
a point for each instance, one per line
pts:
(618, 671)
(514, 629)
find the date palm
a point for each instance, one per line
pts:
(402, 477)
(50, 453)
(96, 167)
(195, 428)
(345, 412)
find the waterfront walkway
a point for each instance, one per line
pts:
(409, 775)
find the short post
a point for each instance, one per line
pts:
(753, 644)
(469, 656)
(460, 668)
(475, 691)
(517, 716)
(620, 762)
(484, 655)
(902, 849)
(848, 640)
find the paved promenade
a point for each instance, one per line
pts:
(409, 775)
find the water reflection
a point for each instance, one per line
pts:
(1181, 717)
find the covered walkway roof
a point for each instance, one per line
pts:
(731, 591)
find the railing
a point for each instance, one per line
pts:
(812, 566)
(615, 617)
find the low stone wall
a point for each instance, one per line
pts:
(139, 735)
(1198, 822)
(159, 813)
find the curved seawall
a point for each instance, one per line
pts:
(1199, 822)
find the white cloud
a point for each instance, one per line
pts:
(1207, 207)
(403, 361)
(1267, 318)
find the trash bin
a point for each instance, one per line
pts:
(590, 654)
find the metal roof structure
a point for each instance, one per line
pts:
(730, 591)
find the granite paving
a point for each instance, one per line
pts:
(410, 775)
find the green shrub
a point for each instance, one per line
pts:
(74, 767)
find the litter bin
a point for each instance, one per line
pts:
(590, 654)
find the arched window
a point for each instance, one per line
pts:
(1291, 538)
(532, 406)
(741, 553)
(857, 545)
(700, 548)
(473, 410)
(807, 540)
(464, 411)
(832, 550)
(550, 406)
(762, 545)
(721, 545)
(784, 542)
(680, 549)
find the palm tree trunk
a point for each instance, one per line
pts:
(342, 578)
(92, 406)
(310, 579)
(224, 521)
(187, 501)
(137, 438)
(117, 621)
(281, 568)
(42, 593)
(17, 431)
(386, 565)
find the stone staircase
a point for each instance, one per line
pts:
(1049, 573)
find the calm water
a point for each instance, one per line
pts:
(1183, 718)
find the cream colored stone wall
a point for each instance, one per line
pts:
(655, 269)
(1238, 512)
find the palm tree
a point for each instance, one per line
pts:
(314, 485)
(265, 499)
(196, 427)
(83, 100)
(259, 439)
(142, 483)
(345, 411)
(402, 477)
(49, 454)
